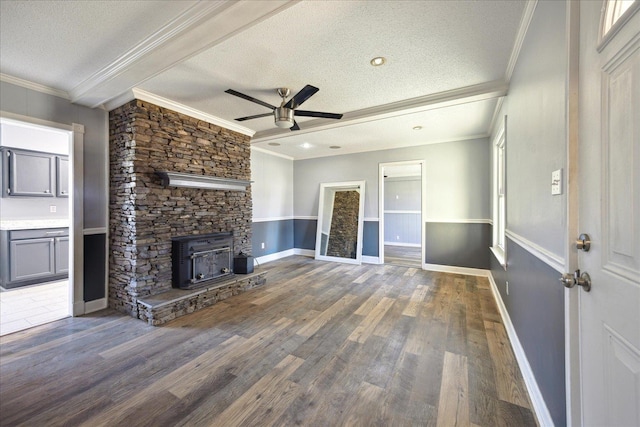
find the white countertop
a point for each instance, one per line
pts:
(30, 224)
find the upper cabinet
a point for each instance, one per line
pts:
(34, 174)
(62, 176)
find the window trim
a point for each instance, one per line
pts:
(605, 35)
(499, 189)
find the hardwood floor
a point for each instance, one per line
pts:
(406, 256)
(322, 344)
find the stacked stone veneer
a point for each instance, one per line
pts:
(144, 215)
(344, 225)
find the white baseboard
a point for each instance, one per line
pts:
(540, 409)
(457, 270)
(304, 252)
(308, 253)
(272, 257)
(406, 245)
(77, 308)
(95, 305)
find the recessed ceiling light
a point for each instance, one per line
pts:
(417, 127)
(274, 144)
(378, 61)
(305, 145)
(335, 147)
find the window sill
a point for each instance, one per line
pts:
(500, 256)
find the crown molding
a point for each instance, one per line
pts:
(525, 21)
(200, 27)
(34, 86)
(271, 153)
(496, 114)
(143, 95)
(474, 93)
(527, 16)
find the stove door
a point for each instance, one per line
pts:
(211, 264)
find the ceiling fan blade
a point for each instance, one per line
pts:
(257, 116)
(304, 113)
(295, 126)
(249, 98)
(305, 93)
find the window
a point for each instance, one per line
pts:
(499, 195)
(613, 11)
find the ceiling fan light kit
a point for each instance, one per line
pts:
(284, 115)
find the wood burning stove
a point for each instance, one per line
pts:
(199, 260)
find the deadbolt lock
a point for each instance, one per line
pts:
(584, 242)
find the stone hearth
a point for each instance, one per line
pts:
(144, 214)
(161, 308)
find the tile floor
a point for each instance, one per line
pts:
(23, 308)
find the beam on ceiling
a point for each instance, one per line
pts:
(474, 93)
(200, 27)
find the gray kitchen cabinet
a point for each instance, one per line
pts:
(62, 255)
(28, 173)
(32, 259)
(62, 176)
(33, 256)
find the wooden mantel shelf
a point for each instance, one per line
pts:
(178, 179)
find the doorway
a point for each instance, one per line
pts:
(603, 320)
(401, 210)
(36, 218)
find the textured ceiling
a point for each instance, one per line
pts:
(444, 61)
(61, 43)
(430, 47)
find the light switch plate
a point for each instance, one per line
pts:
(556, 182)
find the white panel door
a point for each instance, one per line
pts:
(609, 182)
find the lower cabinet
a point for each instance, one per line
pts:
(31, 259)
(62, 255)
(34, 256)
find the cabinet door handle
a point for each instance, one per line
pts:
(54, 232)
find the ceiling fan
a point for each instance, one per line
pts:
(284, 114)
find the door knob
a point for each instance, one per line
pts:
(570, 280)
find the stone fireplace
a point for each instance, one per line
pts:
(200, 259)
(144, 140)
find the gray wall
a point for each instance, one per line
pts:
(457, 174)
(536, 307)
(26, 102)
(272, 187)
(458, 189)
(458, 244)
(272, 192)
(536, 146)
(277, 236)
(536, 131)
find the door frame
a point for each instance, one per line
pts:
(573, 327)
(423, 206)
(76, 203)
(571, 299)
